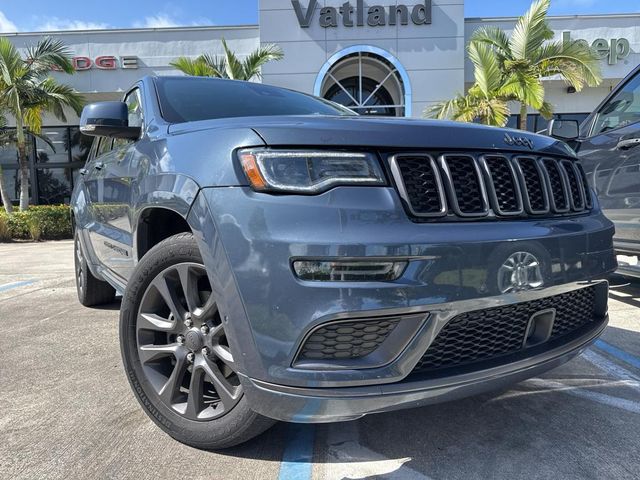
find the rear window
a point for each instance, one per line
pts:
(190, 99)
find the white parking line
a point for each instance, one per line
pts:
(608, 366)
(602, 398)
(348, 459)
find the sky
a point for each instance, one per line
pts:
(45, 15)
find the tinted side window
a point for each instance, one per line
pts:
(134, 104)
(104, 146)
(622, 109)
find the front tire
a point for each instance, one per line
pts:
(175, 351)
(91, 291)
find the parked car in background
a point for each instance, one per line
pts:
(608, 145)
(283, 258)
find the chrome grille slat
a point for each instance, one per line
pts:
(420, 184)
(502, 185)
(575, 185)
(466, 188)
(493, 185)
(536, 198)
(585, 186)
(557, 185)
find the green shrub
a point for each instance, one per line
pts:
(35, 229)
(42, 222)
(5, 234)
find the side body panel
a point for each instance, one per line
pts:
(615, 174)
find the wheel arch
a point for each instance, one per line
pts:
(155, 224)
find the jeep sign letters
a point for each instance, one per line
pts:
(376, 16)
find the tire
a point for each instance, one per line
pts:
(91, 291)
(175, 352)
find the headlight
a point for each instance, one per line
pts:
(302, 171)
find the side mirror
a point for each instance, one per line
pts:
(108, 119)
(564, 129)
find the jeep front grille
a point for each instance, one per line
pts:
(465, 186)
(487, 334)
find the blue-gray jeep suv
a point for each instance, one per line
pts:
(283, 258)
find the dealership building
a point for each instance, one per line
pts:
(379, 57)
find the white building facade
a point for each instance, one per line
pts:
(382, 57)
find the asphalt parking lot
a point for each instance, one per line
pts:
(66, 410)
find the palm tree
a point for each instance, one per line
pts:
(229, 65)
(4, 195)
(27, 91)
(530, 54)
(9, 136)
(485, 101)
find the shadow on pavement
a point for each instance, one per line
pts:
(113, 306)
(625, 289)
(577, 421)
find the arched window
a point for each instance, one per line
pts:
(366, 79)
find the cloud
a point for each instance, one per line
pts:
(6, 25)
(55, 23)
(157, 21)
(162, 20)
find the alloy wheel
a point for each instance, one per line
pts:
(79, 262)
(182, 344)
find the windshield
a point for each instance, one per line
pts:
(190, 99)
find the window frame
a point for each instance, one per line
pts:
(592, 119)
(138, 92)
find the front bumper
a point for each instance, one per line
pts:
(249, 239)
(308, 405)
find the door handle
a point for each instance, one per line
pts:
(99, 165)
(628, 143)
(83, 171)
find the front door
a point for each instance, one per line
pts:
(109, 184)
(611, 158)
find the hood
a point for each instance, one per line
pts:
(385, 133)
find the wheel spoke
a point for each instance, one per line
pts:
(149, 353)
(228, 394)
(174, 382)
(189, 282)
(151, 321)
(168, 294)
(195, 400)
(208, 310)
(224, 354)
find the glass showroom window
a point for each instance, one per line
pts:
(56, 168)
(367, 83)
(54, 185)
(79, 145)
(58, 149)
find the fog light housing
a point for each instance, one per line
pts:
(349, 270)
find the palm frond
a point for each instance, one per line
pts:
(524, 87)
(531, 30)
(56, 96)
(546, 110)
(444, 110)
(11, 64)
(49, 53)
(486, 68)
(233, 66)
(495, 37)
(258, 58)
(195, 68)
(217, 64)
(576, 62)
(32, 118)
